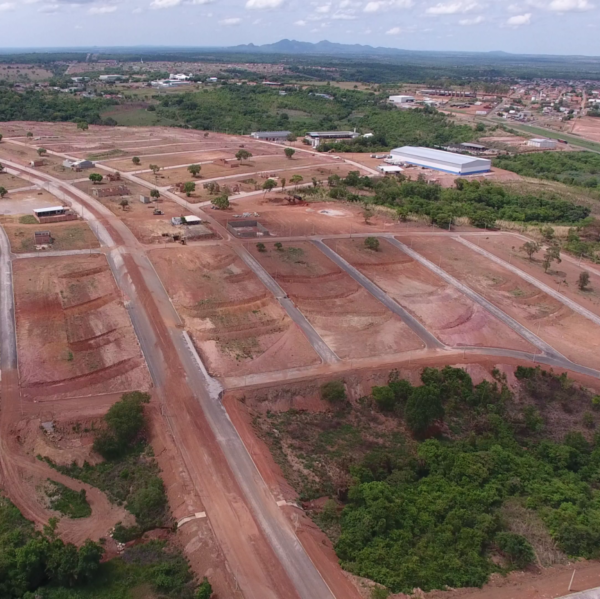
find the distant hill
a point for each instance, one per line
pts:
(323, 48)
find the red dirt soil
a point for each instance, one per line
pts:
(73, 333)
(234, 321)
(569, 333)
(447, 313)
(350, 320)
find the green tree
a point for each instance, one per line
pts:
(279, 246)
(547, 233)
(41, 151)
(552, 255)
(136, 160)
(154, 168)
(82, 125)
(188, 188)
(296, 179)
(242, 155)
(154, 193)
(3, 192)
(269, 185)
(96, 178)
(124, 203)
(289, 152)
(221, 202)
(283, 182)
(261, 247)
(1, 136)
(194, 169)
(584, 280)
(423, 408)
(29, 134)
(368, 214)
(204, 590)
(530, 248)
(372, 243)
(516, 548)
(384, 397)
(333, 392)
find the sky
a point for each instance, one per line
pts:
(518, 26)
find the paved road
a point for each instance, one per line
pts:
(8, 336)
(306, 579)
(428, 338)
(487, 305)
(58, 253)
(534, 281)
(325, 352)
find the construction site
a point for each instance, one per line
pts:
(224, 328)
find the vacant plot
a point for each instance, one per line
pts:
(563, 277)
(11, 182)
(448, 314)
(350, 320)
(74, 335)
(569, 333)
(66, 236)
(24, 202)
(234, 321)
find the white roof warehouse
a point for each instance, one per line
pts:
(438, 160)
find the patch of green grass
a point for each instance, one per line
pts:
(137, 117)
(70, 503)
(28, 219)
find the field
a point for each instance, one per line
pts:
(24, 202)
(569, 333)
(67, 236)
(445, 311)
(10, 182)
(351, 321)
(23, 73)
(74, 335)
(235, 323)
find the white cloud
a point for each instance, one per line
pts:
(6, 6)
(200, 2)
(137, 11)
(343, 16)
(230, 22)
(452, 8)
(102, 10)
(373, 6)
(514, 8)
(377, 5)
(300, 23)
(393, 31)
(323, 9)
(158, 4)
(569, 6)
(519, 20)
(473, 21)
(50, 8)
(263, 4)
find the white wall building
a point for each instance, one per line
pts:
(439, 160)
(540, 142)
(402, 99)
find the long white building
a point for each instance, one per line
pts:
(439, 160)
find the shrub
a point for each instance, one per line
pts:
(516, 548)
(261, 247)
(423, 408)
(384, 397)
(372, 243)
(204, 591)
(334, 392)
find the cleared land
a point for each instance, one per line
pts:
(235, 323)
(74, 336)
(67, 236)
(574, 336)
(453, 318)
(24, 202)
(351, 321)
(11, 182)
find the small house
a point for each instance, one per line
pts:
(39, 162)
(145, 199)
(110, 192)
(42, 238)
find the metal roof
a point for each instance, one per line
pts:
(431, 154)
(270, 133)
(331, 133)
(51, 209)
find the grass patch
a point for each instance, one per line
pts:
(28, 219)
(70, 503)
(115, 153)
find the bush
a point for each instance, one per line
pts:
(372, 243)
(68, 502)
(333, 392)
(385, 398)
(423, 408)
(204, 591)
(516, 548)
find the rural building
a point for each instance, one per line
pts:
(316, 137)
(110, 192)
(471, 147)
(402, 100)
(190, 219)
(389, 169)
(247, 228)
(145, 199)
(198, 232)
(440, 160)
(54, 214)
(42, 237)
(39, 162)
(110, 78)
(270, 135)
(545, 144)
(78, 165)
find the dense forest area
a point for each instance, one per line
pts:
(482, 202)
(49, 106)
(443, 483)
(571, 168)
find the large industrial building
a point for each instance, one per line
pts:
(448, 162)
